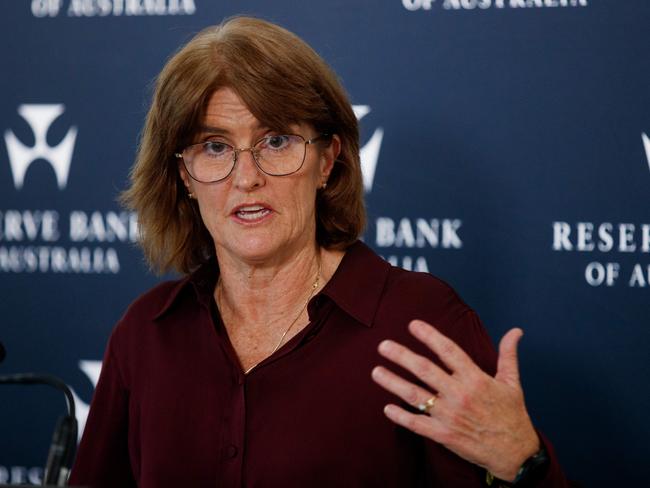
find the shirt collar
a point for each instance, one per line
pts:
(358, 283)
(356, 287)
(203, 280)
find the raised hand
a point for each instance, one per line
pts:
(481, 418)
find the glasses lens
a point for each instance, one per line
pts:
(280, 154)
(209, 161)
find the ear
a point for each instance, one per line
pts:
(184, 176)
(328, 157)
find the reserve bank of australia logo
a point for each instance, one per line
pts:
(369, 153)
(40, 117)
(646, 145)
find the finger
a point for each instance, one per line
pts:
(447, 350)
(508, 363)
(420, 424)
(407, 391)
(421, 367)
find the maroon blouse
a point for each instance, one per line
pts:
(173, 407)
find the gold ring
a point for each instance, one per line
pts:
(428, 405)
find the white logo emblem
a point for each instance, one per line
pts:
(40, 118)
(369, 153)
(646, 145)
(92, 370)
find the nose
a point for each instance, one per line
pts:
(246, 174)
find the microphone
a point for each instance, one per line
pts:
(3, 352)
(64, 439)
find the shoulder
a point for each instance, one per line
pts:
(423, 293)
(373, 290)
(404, 296)
(422, 290)
(410, 295)
(137, 337)
(157, 299)
(152, 304)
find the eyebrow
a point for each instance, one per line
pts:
(213, 130)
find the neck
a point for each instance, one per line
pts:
(260, 293)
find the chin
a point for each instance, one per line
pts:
(254, 249)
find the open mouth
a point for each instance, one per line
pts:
(252, 212)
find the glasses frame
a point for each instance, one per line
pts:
(253, 151)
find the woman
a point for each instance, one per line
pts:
(257, 368)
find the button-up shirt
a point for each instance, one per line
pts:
(174, 408)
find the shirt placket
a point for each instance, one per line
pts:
(232, 445)
(231, 462)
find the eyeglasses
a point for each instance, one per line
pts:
(275, 155)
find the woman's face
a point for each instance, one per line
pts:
(230, 208)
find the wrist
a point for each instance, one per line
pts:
(533, 465)
(507, 467)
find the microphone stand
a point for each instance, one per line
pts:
(64, 439)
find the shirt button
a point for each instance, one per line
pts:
(231, 451)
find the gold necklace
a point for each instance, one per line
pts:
(314, 287)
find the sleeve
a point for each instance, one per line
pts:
(103, 455)
(446, 469)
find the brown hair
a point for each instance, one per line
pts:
(282, 81)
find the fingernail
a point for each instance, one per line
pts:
(384, 346)
(389, 410)
(417, 326)
(376, 372)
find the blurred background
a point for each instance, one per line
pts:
(506, 149)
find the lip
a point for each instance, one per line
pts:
(251, 204)
(248, 221)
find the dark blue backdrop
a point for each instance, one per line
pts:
(504, 152)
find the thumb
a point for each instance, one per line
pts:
(508, 364)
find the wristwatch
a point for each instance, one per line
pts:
(534, 464)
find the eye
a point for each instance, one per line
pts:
(216, 148)
(277, 142)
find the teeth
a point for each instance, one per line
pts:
(252, 208)
(252, 215)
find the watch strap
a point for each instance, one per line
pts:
(532, 465)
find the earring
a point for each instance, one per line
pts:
(190, 195)
(324, 185)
